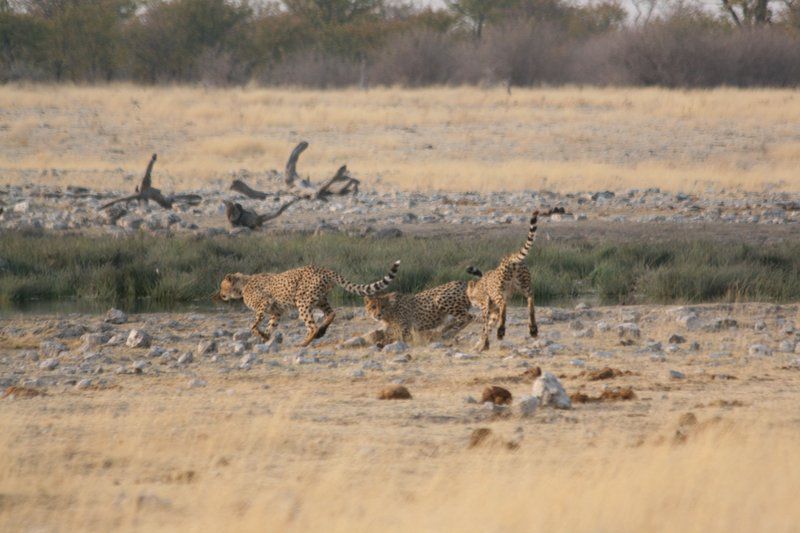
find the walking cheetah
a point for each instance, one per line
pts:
(426, 310)
(494, 288)
(303, 288)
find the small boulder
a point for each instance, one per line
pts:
(759, 350)
(206, 347)
(355, 342)
(49, 364)
(550, 393)
(138, 339)
(115, 316)
(527, 406)
(51, 349)
(676, 339)
(394, 392)
(690, 321)
(628, 330)
(496, 395)
(674, 374)
(396, 347)
(186, 358)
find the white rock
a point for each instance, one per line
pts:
(139, 366)
(196, 383)
(115, 316)
(186, 358)
(22, 207)
(690, 321)
(138, 339)
(238, 348)
(83, 384)
(464, 356)
(155, 351)
(355, 342)
(759, 349)
(357, 374)
(247, 360)
(602, 327)
(760, 325)
(786, 346)
(51, 349)
(49, 364)
(206, 347)
(549, 392)
(527, 406)
(396, 347)
(628, 329)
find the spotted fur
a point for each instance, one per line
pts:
(403, 313)
(494, 288)
(304, 288)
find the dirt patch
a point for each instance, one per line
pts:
(394, 392)
(614, 394)
(496, 395)
(15, 393)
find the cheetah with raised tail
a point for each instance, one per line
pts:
(494, 288)
(426, 310)
(302, 288)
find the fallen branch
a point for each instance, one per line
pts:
(146, 192)
(240, 216)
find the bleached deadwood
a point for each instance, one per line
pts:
(340, 184)
(240, 216)
(146, 192)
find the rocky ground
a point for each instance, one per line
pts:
(707, 353)
(75, 209)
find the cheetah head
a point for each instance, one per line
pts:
(231, 286)
(376, 304)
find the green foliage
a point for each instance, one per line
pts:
(163, 272)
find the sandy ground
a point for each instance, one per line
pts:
(264, 438)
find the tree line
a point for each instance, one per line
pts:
(334, 43)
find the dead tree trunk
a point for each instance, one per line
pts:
(339, 184)
(146, 192)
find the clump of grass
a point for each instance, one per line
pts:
(168, 271)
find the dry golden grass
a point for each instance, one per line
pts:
(442, 138)
(308, 448)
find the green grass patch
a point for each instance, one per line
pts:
(184, 269)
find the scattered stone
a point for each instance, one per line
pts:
(786, 347)
(629, 330)
(138, 339)
(550, 393)
(690, 321)
(675, 374)
(464, 356)
(51, 349)
(247, 361)
(358, 374)
(470, 399)
(115, 316)
(496, 395)
(139, 366)
(396, 347)
(394, 392)
(759, 350)
(355, 342)
(196, 383)
(388, 233)
(654, 346)
(84, 384)
(694, 347)
(402, 359)
(760, 325)
(719, 324)
(49, 364)
(155, 351)
(238, 348)
(527, 406)
(186, 358)
(206, 347)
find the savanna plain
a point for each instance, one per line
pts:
(676, 338)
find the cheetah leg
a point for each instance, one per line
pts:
(254, 327)
(528, 291)
(459, 322)
(272, 325)
(326, 321)
(483, 343)
(501, 329)
(308, 318)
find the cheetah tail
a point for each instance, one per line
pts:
(523, 252)
(474, 272)
(370, 288)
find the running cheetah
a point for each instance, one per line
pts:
(402, 313)
(304, 288)
(492, 291)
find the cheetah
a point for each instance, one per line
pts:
(402, 313)
(303, 288)
(494, 288)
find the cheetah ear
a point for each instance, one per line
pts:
(228, 277)
(391, 297)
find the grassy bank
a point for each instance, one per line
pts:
(169, 271)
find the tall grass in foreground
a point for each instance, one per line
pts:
(182, 269)
(142, 467)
